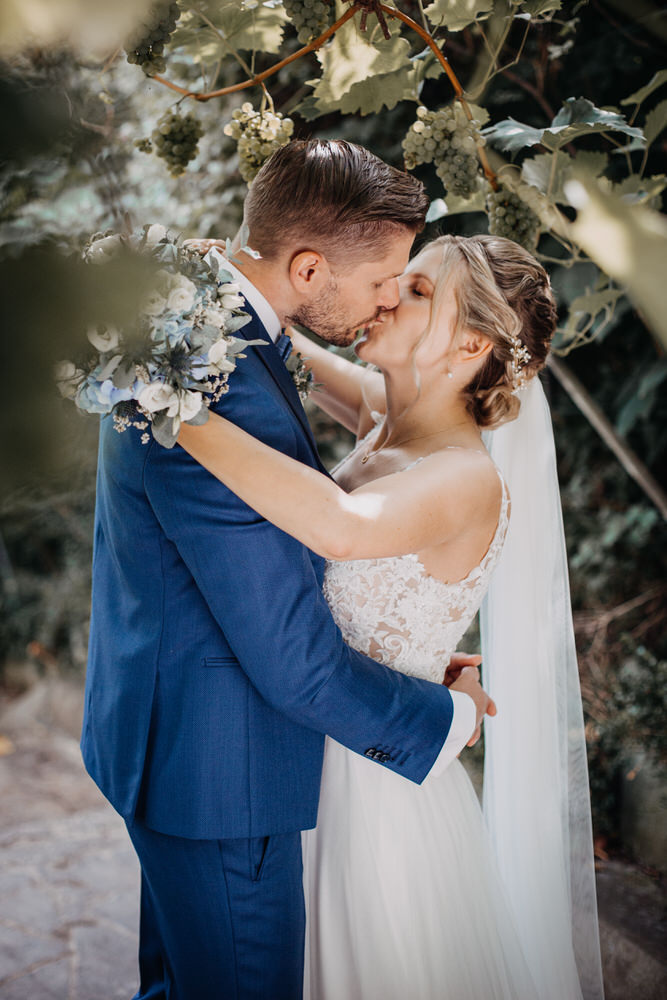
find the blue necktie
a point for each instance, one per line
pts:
(284, 347)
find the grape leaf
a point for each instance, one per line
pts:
(364, 72)
(536, 7)
(576, 118)
(237, 26)
(384, 90)
(655, 122)
(629, 242)
(656, 81)
(587, 314)
(547, 172)
(641, 190)
(511, 135)
(457, 14)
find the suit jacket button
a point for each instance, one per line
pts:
(385, 757)
(370, 752)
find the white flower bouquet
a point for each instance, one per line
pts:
(177, 358)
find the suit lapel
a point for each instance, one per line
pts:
(274, 364)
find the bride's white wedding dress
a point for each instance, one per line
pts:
(402, 895)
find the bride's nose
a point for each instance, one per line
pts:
(390, 294)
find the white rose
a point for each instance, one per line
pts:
(103, 249)
(154, 234)
(214, 317)
(104, 340)
(232, 301)
(181, 294)
(217, 357)
(157, 396)
(189, 405)
(154, 303)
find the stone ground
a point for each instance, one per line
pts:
(69, 878)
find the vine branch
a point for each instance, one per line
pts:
(623, 452)
(365, 7)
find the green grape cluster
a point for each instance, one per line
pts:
(509, 216)
(175, 139)
(448, 139)
(309, 17)
(147, 47)
(258, 134)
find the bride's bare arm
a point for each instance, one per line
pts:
(395, 515)
(347, 392)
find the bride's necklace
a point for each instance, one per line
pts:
(371, 452)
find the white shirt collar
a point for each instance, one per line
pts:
(265, 311)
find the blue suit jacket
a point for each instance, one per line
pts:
(215, 666)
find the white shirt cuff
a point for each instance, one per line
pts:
(461, 729)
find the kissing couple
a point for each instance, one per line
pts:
(274, 702)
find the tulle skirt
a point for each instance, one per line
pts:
(403, 900)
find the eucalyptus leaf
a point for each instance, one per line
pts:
(109, 367)
(236, 322)
(457, 14)
(165, 429)
(205, 336)
(199, 418)
(640, 95)
(124, 375)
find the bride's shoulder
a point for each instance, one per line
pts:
(467, 472)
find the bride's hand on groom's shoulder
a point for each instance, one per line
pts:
(203, 246)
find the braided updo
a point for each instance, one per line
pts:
(505, 294)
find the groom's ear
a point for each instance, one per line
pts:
(309, 273)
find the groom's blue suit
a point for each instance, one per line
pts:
(215, 668)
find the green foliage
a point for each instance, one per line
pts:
(364, 72)
(577, 118)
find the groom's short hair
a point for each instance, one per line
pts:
(334, 197)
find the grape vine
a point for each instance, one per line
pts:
(309, 17)
(176, 139)
(146, 48)
(509, 216)
(450, 140)
(257, 135)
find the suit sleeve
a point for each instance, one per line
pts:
(262, 589)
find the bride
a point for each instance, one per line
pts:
(407, 892)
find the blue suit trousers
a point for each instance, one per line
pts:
(220, 919)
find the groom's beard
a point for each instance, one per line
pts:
(325, 317)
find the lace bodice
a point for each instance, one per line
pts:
(397, 613)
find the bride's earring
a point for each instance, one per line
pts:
(450, 373)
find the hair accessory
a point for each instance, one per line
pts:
(520, 358)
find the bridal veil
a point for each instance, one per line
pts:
(536, 795)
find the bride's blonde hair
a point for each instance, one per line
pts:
(501, 291)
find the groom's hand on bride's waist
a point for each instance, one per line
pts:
(465, 670)
(456, 665)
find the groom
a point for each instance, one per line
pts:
(215, 667)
